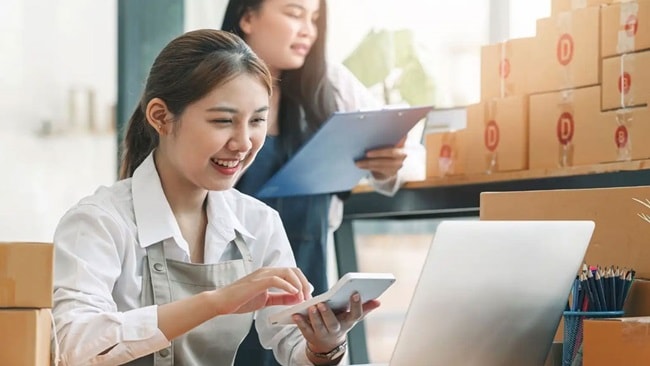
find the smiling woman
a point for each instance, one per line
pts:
(168, 265)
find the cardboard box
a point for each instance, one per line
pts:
(25, 337)
(497, 135)
(625, 28)
(566, 52)
(620, 237)
(560, 6)
(637, 302)
(504, 68)
(628, 133)
(616, 341)
(565, 129)
(626, 80)
(26, 275)
(445, 153)
(621, 341)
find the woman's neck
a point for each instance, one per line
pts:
(184, 198)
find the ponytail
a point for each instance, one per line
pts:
(139, 142)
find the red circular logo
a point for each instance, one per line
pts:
(504, 68)
(624, 83)
(565, 49)
(620, 137)
(445, 151)
(491, 136)
(565, 128)
(631, 25)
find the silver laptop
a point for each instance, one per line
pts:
(491, 293)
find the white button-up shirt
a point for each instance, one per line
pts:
(99, 248)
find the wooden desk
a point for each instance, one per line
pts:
(459, 197)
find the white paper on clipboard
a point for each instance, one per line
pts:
(325, 163)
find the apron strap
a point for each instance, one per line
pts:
(244, 251)
(159, 275)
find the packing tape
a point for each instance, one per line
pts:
(491, 137)
(445, 154)
(565, 48)
(504, 69)
(56, 354)
(627, 27)
(565, 128)
(622, 135)
(624, 82)
(7, 284)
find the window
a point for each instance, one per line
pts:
(58, 89)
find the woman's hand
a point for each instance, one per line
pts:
(384, 163)
(325, 330)
(253, 291)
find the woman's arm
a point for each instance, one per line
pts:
(92, 251)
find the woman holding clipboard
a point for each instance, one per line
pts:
(289, 35)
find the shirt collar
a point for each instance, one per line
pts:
(222, 218)
(154, 218)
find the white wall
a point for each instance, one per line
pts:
(47, 48)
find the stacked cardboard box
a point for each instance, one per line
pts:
(497, 126)
(598, 49)
(575, 94)
(445, 143)
(26, 277)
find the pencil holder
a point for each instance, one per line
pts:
(573, 330)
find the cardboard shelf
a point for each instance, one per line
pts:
(521, 175)
(459, 195)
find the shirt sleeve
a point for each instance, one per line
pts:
(286, 341)
(89, 248)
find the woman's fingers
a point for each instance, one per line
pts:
(388, 153)
(305, 286)
(291, 280)
(330, 321)
(282, 299)
(383, 162)
(304, 326)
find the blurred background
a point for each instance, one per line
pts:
(59, 84)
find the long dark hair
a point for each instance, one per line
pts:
(186, 70)
(305, 90)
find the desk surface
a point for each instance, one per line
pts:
(460, 195)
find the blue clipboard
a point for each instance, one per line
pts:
(325, 163)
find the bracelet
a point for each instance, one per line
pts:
(334, 354)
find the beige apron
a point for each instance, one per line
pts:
(214, 342)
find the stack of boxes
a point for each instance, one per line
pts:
(625, 49)
(575, 94)
(26, 279)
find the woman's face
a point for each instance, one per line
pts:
(217, 137)
(282, 32)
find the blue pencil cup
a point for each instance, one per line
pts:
(573, 331)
